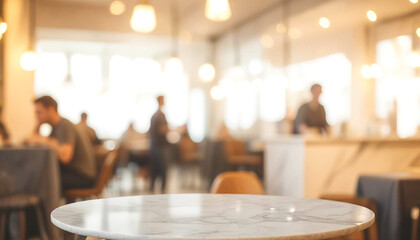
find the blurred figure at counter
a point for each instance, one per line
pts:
(4, 134)
(311, 116)
(83, 126)
(74, 150)
(158, 145)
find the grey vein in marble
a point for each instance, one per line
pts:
(207, 216)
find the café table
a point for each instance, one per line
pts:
(395, 194)
(211, 216)
(32, 170)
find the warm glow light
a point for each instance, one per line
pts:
(366, 72)
(117, 8)
(267, 41)
(218, 10)
(414, 59)
(414, 1)
(143, 18)
(174, 65)
(3, 27)
(324, 22)
(375, 71)
(281, 28)
(371, 15)
(207, 72)
(28, 61)
(217, 93)
(418, 32)
(295, 33)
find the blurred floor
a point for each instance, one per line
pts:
(130, 181)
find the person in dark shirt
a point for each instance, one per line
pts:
(74, 150)
(158, 145)
(311, 115)
(90, 132)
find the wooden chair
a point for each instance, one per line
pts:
(238, 158)
(237, 183)
(371, 232)
(104, 176)
(189, 152)
(190, 159)
(20, 203)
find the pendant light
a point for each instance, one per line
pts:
(207, 72)
(174, 63)
(117, 7)
(218, 10)
(217, 93)
(144, 18)
(28, 60)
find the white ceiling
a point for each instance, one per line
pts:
(191, 12)
(94, 14)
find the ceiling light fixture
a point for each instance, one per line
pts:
(366, 72)
(281, 28)
(324, 22)
(207, 72)
(117, 8)
(174, 65)
(414, 1)
(144, 18)
(218, 10)
(217, 93)
(267, 41)
(371, 15)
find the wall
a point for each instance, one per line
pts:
(18, 112)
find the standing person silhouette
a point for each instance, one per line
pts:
(159, 145)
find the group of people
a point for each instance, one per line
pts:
(73, 144)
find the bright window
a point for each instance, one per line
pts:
(86, 73)
(112, 86)
(197, 115)
(241, 100)
(398, 85)
(51, 73)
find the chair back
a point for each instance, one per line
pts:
(237, 183)
(106, 171)
(188, 150)
(372, 231)
(235, 147)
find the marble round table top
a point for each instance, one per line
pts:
(211, 216)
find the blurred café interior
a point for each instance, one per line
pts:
(311, 98)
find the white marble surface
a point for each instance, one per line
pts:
(283, 167)
(313, 167)
(207, 216)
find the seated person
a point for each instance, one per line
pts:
(74, 150)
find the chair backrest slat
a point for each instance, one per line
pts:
(107, 169)
(237, 183)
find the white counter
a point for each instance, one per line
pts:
(299, 167)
